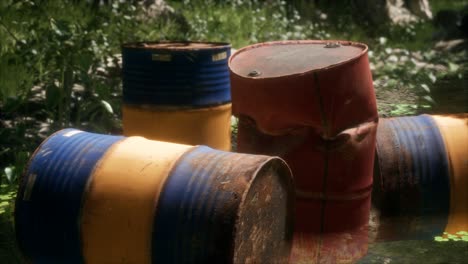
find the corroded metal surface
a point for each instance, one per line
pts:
(293, 57)
(176, 73)
(88, 198)
(208, 200)
(411, 181)
(313, 104)
(48, 203)
(454, 131)
(263, 234)
(177, 92)
(330, 248)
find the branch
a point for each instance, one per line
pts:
(8, 31)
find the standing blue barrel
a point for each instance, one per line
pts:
(411, 179)
(190, 74)
(177, 92)
(90, 198)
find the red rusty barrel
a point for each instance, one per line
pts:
(312, 103)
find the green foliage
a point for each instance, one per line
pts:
(459, 236)
(245, 22)
(58, 68)
(7, 194)
(418, 71)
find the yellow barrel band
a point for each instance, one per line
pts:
(454, 130)
(209, 126)
(119, 205)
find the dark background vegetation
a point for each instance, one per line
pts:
(60, 61)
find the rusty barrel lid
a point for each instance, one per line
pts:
(176, 73)
(280, 59)
(283, 84)
(225, 207)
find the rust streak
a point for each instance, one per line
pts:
(325, 173)
(146, 166)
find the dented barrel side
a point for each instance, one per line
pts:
(313, 104)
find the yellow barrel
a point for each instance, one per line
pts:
(454, 131)
(209, 126)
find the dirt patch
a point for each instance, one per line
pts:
(388, 99)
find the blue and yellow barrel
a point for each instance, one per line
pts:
(90, 198)
(454, 131)
(177, 92)
(420, 177)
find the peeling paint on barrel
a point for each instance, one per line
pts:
(412, 179)
(144, 201)
(177, 92)
(454, 131)
(313, 104)
(172, 73)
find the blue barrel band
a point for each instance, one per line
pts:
(421, 185)
(50, 197)
(180, 76)
(197, 209)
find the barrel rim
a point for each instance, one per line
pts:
(269, 161)
(140, 45)
(177, 108)
(295, 42)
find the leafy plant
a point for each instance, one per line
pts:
(459, 236)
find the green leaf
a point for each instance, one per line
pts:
(9, 173)
(429, 99)
(461, 233)
(5, 197)
(432, 77)
(453, 67)
(107, 106)
(425, 88)
(425, 106)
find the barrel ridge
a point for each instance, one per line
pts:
(420, 188)
(47, 221)
(171, 76)
(200, 201)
